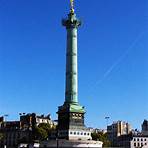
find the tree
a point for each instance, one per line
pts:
(42, 131)
(1, 136)
(46, 126)
(101, 137)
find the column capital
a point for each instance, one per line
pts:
(71, 21)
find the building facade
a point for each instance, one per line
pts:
(117, 129)
(145, 127)
(11, 133)
(16, 132)
(29, 121)
(139, 141)
(132, 141)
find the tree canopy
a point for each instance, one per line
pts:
(1, 136)
(101, 137)
(42, 131)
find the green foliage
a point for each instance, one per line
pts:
(101, 137)
(45, 126)
(1, 136)
(42, 131)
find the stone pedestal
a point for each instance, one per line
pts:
(71, 143)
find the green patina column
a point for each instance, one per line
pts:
(71, 93)
(71, 113)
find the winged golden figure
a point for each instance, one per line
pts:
(72, 5)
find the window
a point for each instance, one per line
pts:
(74, 133)
(88, 134)
(135, 144)
(81, 133)
(141, 139)
(137, 139)
(84, 133)
(71, 133)
(77, 133)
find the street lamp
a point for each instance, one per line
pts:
(107, 118)
(5, 116)
(57, 138)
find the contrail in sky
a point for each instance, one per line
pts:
(119, 60)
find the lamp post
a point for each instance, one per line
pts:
(57, 138)
(5, 116)
(107, 118)
(5, 120)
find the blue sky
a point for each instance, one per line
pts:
(112, 47)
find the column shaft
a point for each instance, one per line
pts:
(71, 94)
